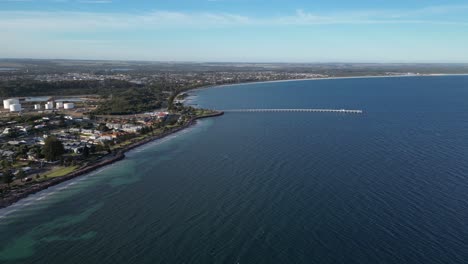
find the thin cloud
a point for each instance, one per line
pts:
(95, 1)
(16, 0)
(89, 21)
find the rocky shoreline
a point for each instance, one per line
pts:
(109, 159)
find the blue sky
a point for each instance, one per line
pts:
(236, 30)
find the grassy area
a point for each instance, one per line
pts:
(121, 145)
(20, 164)
(60, 171)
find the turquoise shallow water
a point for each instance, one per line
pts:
(388, 186)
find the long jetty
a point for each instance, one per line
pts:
(345, 111)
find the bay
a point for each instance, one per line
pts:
(386, 186)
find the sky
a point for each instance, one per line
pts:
(236, 30)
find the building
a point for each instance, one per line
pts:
(131, 128)
(160, 115)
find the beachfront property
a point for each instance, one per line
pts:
(129, 128)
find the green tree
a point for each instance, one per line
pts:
(13, 133)
(62, 121)
(21, 174)
(92, 149)
(52, 149)
(23, 151)
(102, 127)
(7, 177)
(5, 164)
(86, 151)
(68, 161)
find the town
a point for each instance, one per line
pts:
(60, 117)
(46, 138)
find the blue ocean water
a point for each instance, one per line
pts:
(386, 186)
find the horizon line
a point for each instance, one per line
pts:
(233, 62)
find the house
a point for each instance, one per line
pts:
(23, 128)
(161, 115)
(74, 146)
(110, 136)
(105, 138)
(87, 131)
(78, 150)
(32, 155)
(131, 128)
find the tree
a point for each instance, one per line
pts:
(92, 149)
(37, 152)
(68, 161)
(86, 151)
(21, 174)
(52, 149)
(23, 151)
(62, 121)
(102, 127)
(7, 177)
(13, 133)
(5, 164)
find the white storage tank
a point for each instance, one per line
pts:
(69, 105)
(49, 106)
(59, 105)
(8, 102)
(37, 107)
(15, 108)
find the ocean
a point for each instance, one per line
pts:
(386, 186)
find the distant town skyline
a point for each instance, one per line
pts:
(236, 30)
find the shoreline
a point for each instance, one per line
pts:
(107, 160)
(120, 155)
(210, 86)
(328, 78)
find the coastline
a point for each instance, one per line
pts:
(328, 78)
(107, 160)
(115, 157)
